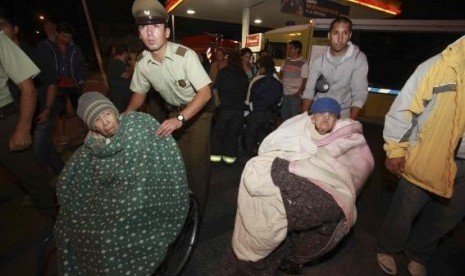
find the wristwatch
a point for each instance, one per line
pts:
(181, 118)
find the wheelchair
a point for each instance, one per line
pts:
(182, 248)
(178, 253)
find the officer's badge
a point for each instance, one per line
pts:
(182, 83)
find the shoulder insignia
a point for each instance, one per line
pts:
(181, 51)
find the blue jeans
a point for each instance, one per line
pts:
(24, 165)
(43, 145)
(43, 138)
(417, 219)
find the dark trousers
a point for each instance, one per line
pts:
(226, 131)
(23, 164)
(256, 123)
(194, 142)
(418, 219)
(43, 142)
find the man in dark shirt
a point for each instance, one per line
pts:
(119, 77)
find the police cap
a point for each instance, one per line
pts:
(146, 12)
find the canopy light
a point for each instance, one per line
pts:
(374, 4)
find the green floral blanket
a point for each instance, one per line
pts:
(123, 201)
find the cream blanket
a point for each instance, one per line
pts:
(339, 163)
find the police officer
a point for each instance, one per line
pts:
(15, 126)
(176, 73)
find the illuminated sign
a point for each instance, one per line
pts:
(377, 5)
(254, 42)
(315, 8)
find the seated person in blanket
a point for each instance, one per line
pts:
(297, 197)
(123, 195)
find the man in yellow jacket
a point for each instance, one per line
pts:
(423, 131)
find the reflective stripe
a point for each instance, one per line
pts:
(383, 90)
(228, 160)
(215, 158)
(452, 87)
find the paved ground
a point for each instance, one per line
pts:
(22, 228)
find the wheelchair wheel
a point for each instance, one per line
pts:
(181, 249)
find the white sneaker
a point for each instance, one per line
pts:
(387, 263)
(416, 269)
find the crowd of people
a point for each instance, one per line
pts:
(127, 186)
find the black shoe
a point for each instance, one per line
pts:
(290, 267)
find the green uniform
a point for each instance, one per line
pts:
(14, 65)
(177, 79)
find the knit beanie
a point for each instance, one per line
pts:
(91, 104)
(326, 104)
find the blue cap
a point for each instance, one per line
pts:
(326, 104)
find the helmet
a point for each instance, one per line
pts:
(146, 12)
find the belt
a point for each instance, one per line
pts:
(172, 108)
(209, 107)
(8, 110)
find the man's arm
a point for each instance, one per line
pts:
(302, 87)
(309, 91)
(21, 137)
(201, 98)
(137, 99)
(399, 120)
(359, 86)
(306, 103)
(354, 112)
(304, 72)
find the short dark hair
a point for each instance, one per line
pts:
(341, 19)
(297, 44)
(268, 64)
(245, 51)
(234, 59)
(65, 28)
(121, 48)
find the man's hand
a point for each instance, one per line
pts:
(395, 165)
(20, 140)
(167, 127)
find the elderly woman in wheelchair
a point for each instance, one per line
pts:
(123, 195)
(296, 199)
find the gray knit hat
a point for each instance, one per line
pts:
(91, 104)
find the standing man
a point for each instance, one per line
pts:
(424, 131)
(177, 74)
(294, 74)
(345, 68)
(70, 71)
(15, 125)
(46, 87)
(119, 77)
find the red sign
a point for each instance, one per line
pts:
(252, 40)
